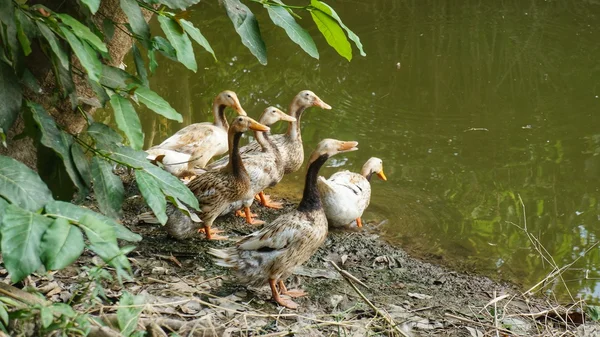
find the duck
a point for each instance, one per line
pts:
(289, 144)
(270, 254)
(195, 144)
(216, 189)
(265, 168)
(346, 194)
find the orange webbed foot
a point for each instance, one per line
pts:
(211, 234)
(266, 201)
(250, 217)
(281, 301)
(359, 222)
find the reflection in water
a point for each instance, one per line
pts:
(491, 100)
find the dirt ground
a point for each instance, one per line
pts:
(186, 293)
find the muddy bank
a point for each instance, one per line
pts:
(186, 293)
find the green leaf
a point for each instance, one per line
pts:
(93, 5)
(104, 135)
(82, 164)
(333, 33)
(282, 18)
(157, 104)
(108, 26)
(22, 186)
(180, 41)
(23, 39)
(31, 82)
(103, 242)
(21, 237)
(57, 140)
(3, 204)
(75, 214)
(195, 34)
(152, 61)
(63, 76)
(136, 20)
(152, 194)
(139, 65)
(83, 32)
(161, 44)
(108, 188)
(246, 26)
(10, 96)
(3, 314)
(113, 77)
(61, 245)
(99, 91)
(178, 4)
(128, 312)
(86, 55)
(46, 316)
(7, 13)
(128, 121)
(328, 10)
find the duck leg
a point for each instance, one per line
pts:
(292, 292)
(249, 216)
(211, 233)
(281, 301)
(266, 201)
(358, 222)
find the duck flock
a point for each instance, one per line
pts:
(232, 183)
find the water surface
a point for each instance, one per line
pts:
(471, 105)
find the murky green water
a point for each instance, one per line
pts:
(469, 105)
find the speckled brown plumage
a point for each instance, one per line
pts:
(272, 253)
(215, 190)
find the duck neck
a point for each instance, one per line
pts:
(262, 139)
(235, 164)
(367, 173)
(293, 130)
(310, 199)
(219, 114)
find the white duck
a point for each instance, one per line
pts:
(346, 194)
(194, 145)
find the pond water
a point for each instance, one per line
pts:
(473, 106)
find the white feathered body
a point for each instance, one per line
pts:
(345, 196)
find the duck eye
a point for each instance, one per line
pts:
(240, 119)
(228, 96)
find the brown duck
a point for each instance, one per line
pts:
(215, 190)
(271, 254)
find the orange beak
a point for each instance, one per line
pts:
(238, 108)
(256, 126)
(318, 102)
(381, 175)
(287, 118)
(347, 146)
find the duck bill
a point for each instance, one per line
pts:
(287, 118)
(347, 146)
(256, 126)
(381, 175)
(238, 108)
(318, 102)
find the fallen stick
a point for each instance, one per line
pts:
(489, 326)
(364, 298)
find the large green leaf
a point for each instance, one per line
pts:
(128, 313)
(180, 41)
(61, 244)
(164, 46)
(100, 92)
(152, 194)
(82, 164)
(115, 78)
(21, 237)
(167, 182)
(57, 140)
(333, 33)
(195, 34)
(178, 4)
(75, 214)
(103, 242)
(138, 24)
(86, 55)
(83, 32)
(128, 120)
(93, 5)
(156, 103)
(10, 98)
(21, 35)
(105, 137)
(7, 13)
(139, 65)
(246, 26)
(3, 204)
(328, 10)
(108, 188)
(282, 18)
(22, 186)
